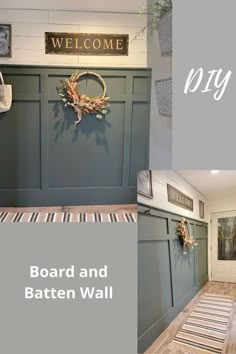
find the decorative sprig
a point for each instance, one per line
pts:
(154, 12)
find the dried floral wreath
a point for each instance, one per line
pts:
(83, 104)
(185, 235)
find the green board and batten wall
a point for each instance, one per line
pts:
(167, 279)
(46, 160)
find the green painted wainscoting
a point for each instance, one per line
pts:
(167, 279)
(47, 160)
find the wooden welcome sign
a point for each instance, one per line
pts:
(86, 43)
(178, 198)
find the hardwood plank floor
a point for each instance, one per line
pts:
(211, 287)
(127, 208)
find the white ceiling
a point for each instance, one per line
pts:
(79, 5)
(210, 185)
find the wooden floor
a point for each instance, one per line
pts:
(211, 287)
(127, 208)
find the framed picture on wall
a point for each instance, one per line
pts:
(5, 40)
(201, 209)
(144, 183)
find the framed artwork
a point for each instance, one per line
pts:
(165, 33)
(5, 40)
(144, 183)
(201, 209)
(164, 97)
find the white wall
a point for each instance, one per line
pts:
(78, 5)
(160, 126)
(160, 200)
(222, 202)
(29, 27)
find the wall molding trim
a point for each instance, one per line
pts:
(46, 160)
(164, 273)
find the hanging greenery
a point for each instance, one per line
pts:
(81, 103)
(155, 12)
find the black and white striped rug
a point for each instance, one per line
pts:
(205, 329)
(9, 217)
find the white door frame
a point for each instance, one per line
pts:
(231, 213)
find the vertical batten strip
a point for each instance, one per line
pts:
(44, 131)
(128, 130)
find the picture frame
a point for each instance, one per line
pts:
(5, 40)
(201, 209)
(144, 183)
(164, 97)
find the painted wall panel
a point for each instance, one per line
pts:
(141, 85)
(152, 228)
(200, 230)
(20, 147)
(67, 164)
(201, 267)
(183, 271)
(91, 153)
(167, 279)
(23, 83)
(155, 297)
(139, 138)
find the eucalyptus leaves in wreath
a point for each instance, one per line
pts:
(184, 232)
(81, 103)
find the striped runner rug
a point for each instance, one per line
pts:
(66, 217)
(205, 329)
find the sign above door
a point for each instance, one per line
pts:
(86, 43)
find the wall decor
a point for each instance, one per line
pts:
(86, 43)
(185, 234)
(164, 97)
(164, 27)
(201, 209)
(144, 183)
(178, 198)
(81, 103)
(5, 95)
(5, 40)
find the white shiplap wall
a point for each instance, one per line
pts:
(160, 199)
(29, 27)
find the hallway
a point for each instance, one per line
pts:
(160, 346)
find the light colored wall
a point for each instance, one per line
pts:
(160, 126)
(29, 27)
(160, 200)
(224, 202)
(78, 5)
